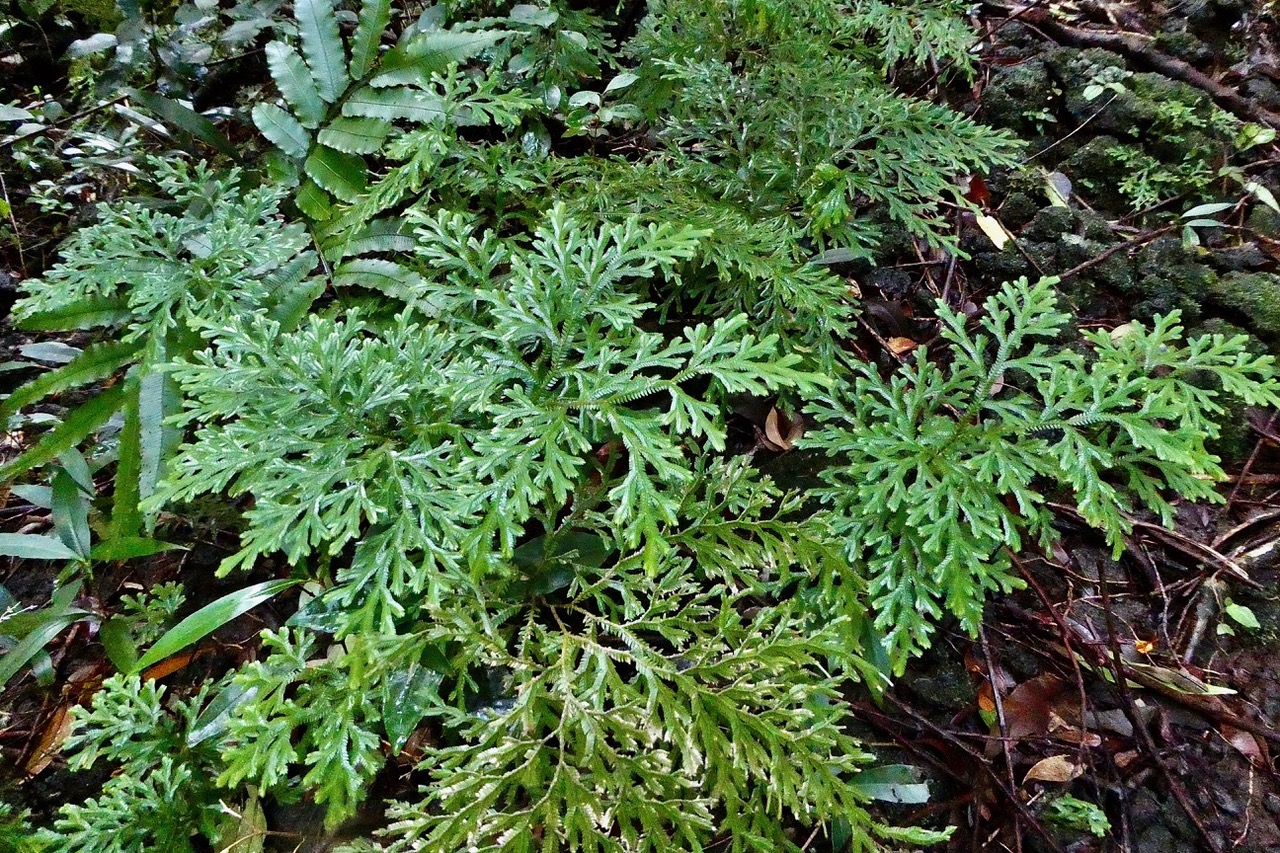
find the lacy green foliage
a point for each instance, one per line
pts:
(472, 426)
(496, 449)
(782, 133)
(160, 798)
(149, 276)
(941, 470)
(918, 31)
(776, 107)
(307, 714)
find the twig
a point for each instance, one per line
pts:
(1079, 128)
(17, 235)
(1140, 726)
(69, 120)
(1248, 464)
(1004, 727)
(979, 761)
(1190, 547)
(1119, 247)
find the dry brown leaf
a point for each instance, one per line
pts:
(168, 666)
(1124, 759)
(773, 435)
(1243, 742)
(55, 733)
(1028, 706)
(780, 431)
(1055, 768)
(986, 701)
(901, 346)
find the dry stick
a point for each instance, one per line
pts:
(61, 123)
(1188, 546)
(1082, 126)
(1140, 727)
(1065, 634)
(1248, 465)
(1004, 728)
(17, 234)
(1119, 247)
(981, 761)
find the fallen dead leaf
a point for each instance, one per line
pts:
(781, 431)
(901, 346)
(1057, 187)
(986, 701)
(1055, 768)
(1243, 742)
(55, 733)
(1124, 759)
(996, 232)
(1028, 707)
(1064, 731)
(168, 666)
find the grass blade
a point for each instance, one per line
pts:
(95, 363)
(210, 618)
(78, 426)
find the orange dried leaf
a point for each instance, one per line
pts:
(168, 666)
(901, 346)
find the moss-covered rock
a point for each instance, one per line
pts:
(1170, 278)
(1251, 297)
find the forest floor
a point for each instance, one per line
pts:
(1145, 686)
(1139, 692)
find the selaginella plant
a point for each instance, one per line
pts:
(942, 470)
(148, 276)
(496, 447)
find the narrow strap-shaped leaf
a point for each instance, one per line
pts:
(77, 426)
(383, 276)
(71, 514)
(397, 103)
(427, 53)
(213, 719)
(86, 313)
(118, 644)
(210, 618)
(285, 131)
(344, 175)
(158, 398)
(294, 81)
(95, 363)
(184, 118)
(375, 15)
(126, 517)
(130, 547)
(355, 135)
(32, 644)
(29, 546)
(322, 46)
